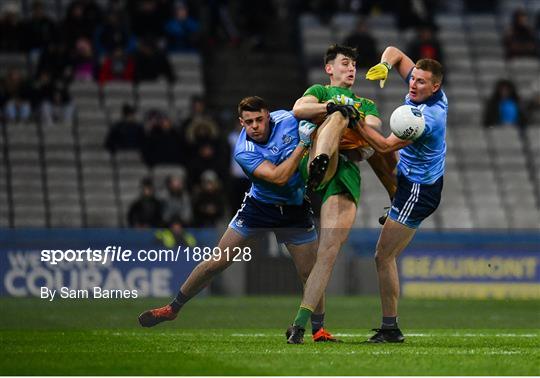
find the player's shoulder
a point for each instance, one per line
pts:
(243, 144)
(316, 90)
(364, 100)
(281, 115)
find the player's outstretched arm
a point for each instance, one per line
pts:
(391, 57)
(280, 174)
(378, 142)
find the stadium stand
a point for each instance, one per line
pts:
(62, 176)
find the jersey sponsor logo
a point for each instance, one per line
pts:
(416, 112)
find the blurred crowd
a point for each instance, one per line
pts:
(212, 178)
(132, 41)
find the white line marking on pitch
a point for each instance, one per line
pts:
(407, 334)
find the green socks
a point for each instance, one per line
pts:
(302, 317)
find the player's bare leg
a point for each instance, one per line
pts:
(337, 217)
(329, 134)
(322, 163)
(203, 273)
(304, 257)
(384, 167)
(392, 241)
(198, 279)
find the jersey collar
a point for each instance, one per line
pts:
(431, 100)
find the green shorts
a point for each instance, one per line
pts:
(346, 179)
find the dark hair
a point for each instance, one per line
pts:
(127, 109)
(431, 65)
(147, 181)
(336, 49)
(498, 87)
(251, 104)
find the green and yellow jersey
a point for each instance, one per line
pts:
(350, 139)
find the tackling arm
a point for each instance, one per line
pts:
(380, 143)
(309, 107)
(280, 174)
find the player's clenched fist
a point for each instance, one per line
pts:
(342, 100)
(305, 129)
(379, 72)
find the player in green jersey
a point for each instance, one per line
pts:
(337, 178)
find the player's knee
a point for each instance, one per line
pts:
(304, 275)
(338, 118)
(328, 255)
(381, 258)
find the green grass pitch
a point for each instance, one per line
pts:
(245, 336)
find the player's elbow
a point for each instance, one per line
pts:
(281, 180)
(297, 111)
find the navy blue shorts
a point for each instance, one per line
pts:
(415, 202)
(290, 224)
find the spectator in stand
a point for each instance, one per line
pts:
(178, 202)
(163, 144)
(412, 13)
(504, 107)
(53, 100)
(53, 61)
(39, 30)
(365, 44)
(146, 211)
(176, 235)
(221, 23)
(182, 30)
(117, 67)
(198, 112)
(519, 39)
(83, 61)
(81, 21)
(203, 142)
(18, 94)
(151, 63)
(112, 35)
(425, 45)
(325, 10)
(209, 201)
(125, 134)
(239, 182)
(148, 17)
(255, 19)
(11, 27)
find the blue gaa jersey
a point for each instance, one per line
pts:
(281, 143)
(422, 162)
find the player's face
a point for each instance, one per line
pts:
(421, 85)
(256, 124)
(342, 71)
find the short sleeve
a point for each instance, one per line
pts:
(249, 161)
(408, 78)
(318, 91)
(369, 108)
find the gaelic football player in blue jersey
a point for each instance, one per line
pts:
(269, 149)
(420, 174)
